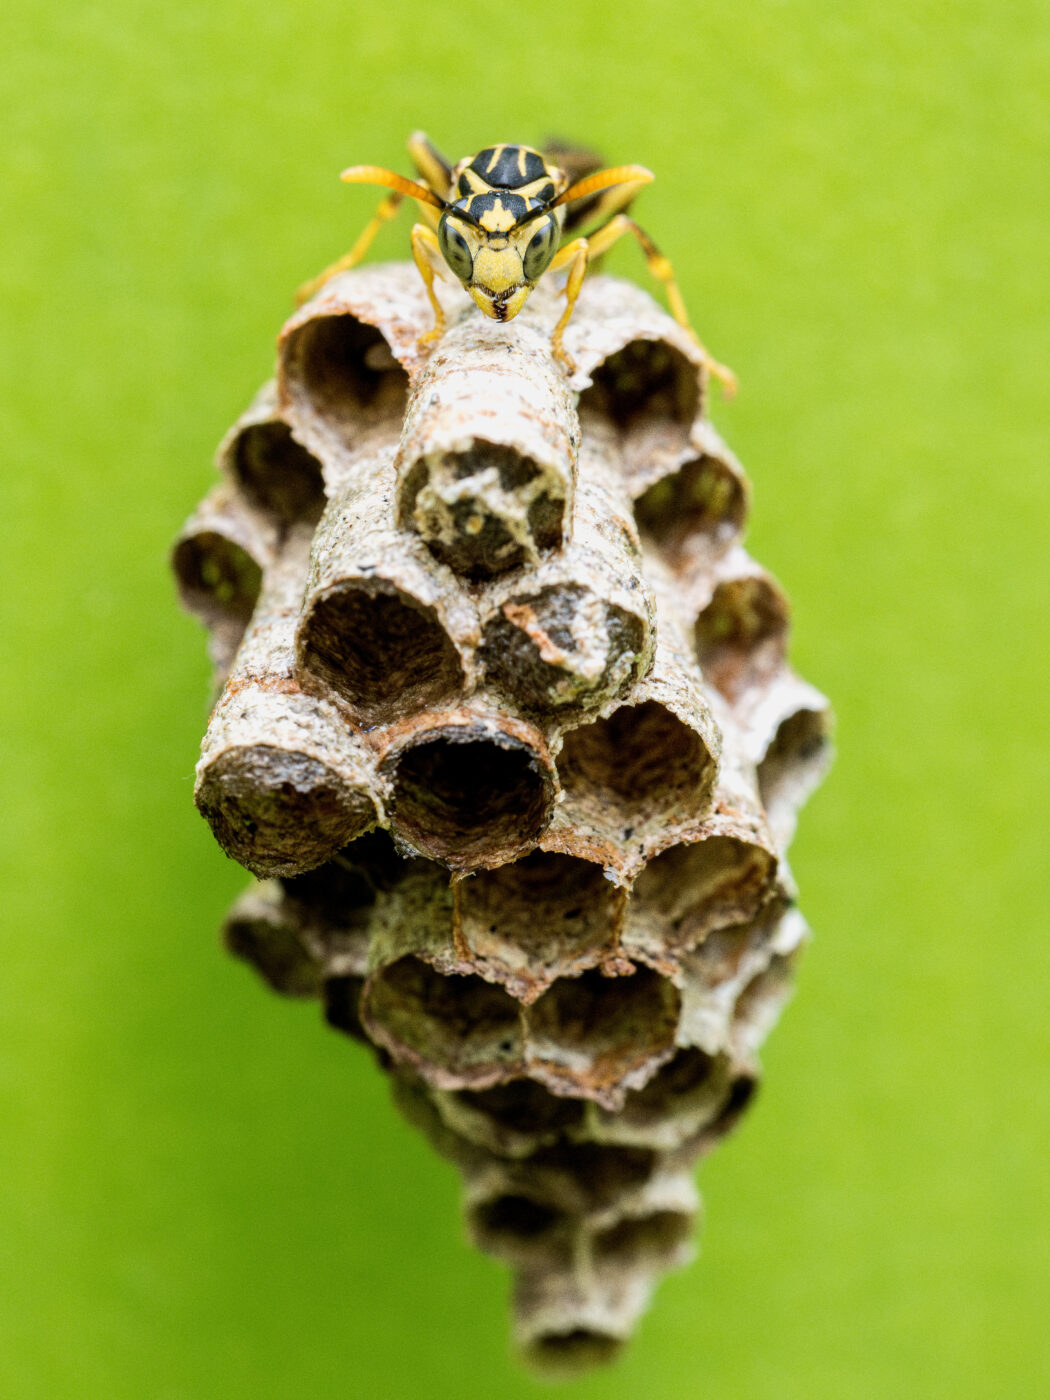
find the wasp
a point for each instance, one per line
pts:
(499, 221)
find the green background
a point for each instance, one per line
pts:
(203, 1193)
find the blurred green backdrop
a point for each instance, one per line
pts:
(203, 1193)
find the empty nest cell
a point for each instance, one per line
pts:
(218, 562)
(338, 376)
(382, 624)
(693, 887)
(741, 632)
(596, 1036)
(693, 504)
(545, 916)
(263, 932)
(282, 780)
(473, 788)
(273, 472)
(456, 1032)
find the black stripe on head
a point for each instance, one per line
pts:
(480, 204)
(508, 167)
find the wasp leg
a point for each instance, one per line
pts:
(427, 254)
(578, 254)
(386, 211)
(574, 257)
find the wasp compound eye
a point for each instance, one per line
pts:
(454, 249)
(540, 250)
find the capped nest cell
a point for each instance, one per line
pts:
(507, 733)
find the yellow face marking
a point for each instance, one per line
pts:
(497, 219)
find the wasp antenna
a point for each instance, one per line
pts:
(617, 175)
(376, 175)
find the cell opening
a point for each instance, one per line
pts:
(382, 650)
(741, 636)
(538, 917)
(574, 1351)
(701, 885)
(589, 1176)
(542, 648)
(218, 581)
(456, 1031)
(513, 1219)
(641, 758)
(342, 1006)
(795, 761)
(279, 812)
(469, 800)
(653, 1239)
(277, 474)
(346, 372)
(524, 1107)
(591, 1032)
(271, 946)
(701, 505)
(643, 381)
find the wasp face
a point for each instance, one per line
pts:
(498, 247)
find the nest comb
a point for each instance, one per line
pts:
(507, 732)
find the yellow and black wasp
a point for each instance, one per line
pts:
(499, 220)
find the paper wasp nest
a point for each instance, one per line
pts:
(508, 734)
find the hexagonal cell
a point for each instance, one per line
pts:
(693, 505)
(741, 634)
(385, 652)
(794, 765)
(276, 473)
(645, 382)
(661, 1240)
(339, 376)
(471, 790)
(218, 562)
(686, 1094)
(511, 1120)
(594, 1037)
(698, 885)
(342, 1006)
(457, 1032)
(544, 916)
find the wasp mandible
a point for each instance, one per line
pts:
(498, 221)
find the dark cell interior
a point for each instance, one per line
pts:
(217, 579)
(381, 650)
(741, 634)
(578, 1350)
(460, 796)
(795, 758)
(345, 369)
(275, 952)
(640, 755)
(594, 1174)
(342, 1006)
(524, 1106)
(701, 885)
(277, 474)
(647, 379)
(703, 502)
(653, 1237)
(515, 1216)
(548, 905)
(462, 1025)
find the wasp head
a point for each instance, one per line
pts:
(498, 246)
